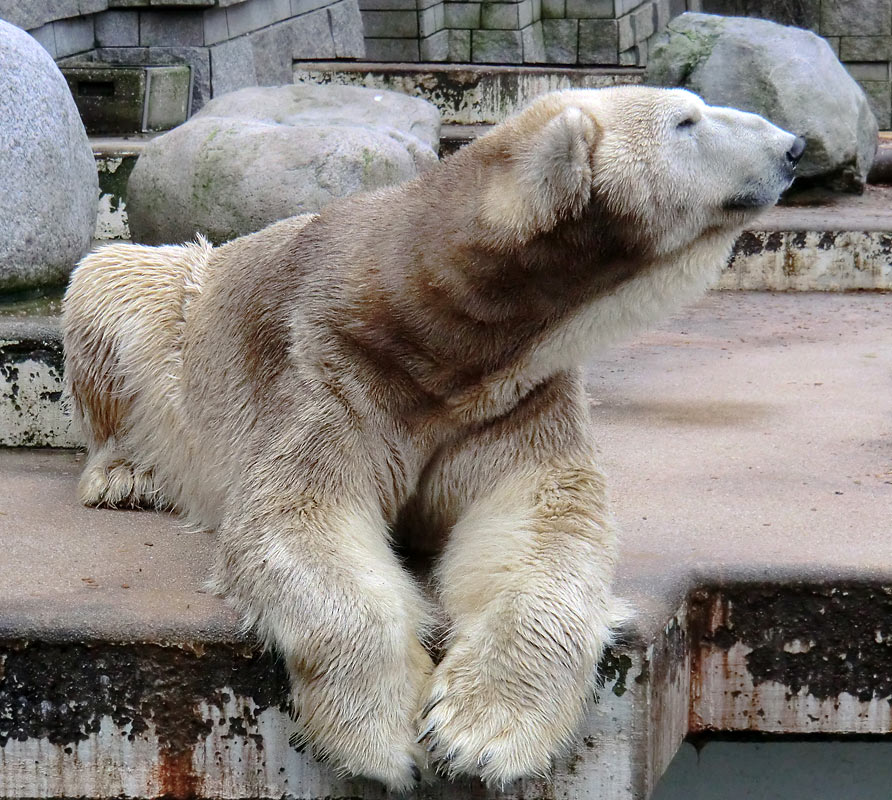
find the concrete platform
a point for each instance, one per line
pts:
(749, 448)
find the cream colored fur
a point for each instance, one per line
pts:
(404, 367)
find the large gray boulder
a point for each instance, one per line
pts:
(788, 75)
(258, 155)
(48, 184)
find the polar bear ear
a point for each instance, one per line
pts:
(547, 175)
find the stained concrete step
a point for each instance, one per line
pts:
(747, 445)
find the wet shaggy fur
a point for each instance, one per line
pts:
(406, 363)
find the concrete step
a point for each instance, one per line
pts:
(747, 449)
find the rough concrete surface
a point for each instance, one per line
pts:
(751, 439)
(69, 572)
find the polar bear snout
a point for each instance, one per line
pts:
(771, 159)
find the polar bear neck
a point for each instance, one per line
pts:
(657, 291)
(461, 330)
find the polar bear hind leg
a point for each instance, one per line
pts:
(122, 322)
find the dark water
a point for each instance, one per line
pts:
(32, 303)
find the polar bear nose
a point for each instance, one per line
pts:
(796, 151)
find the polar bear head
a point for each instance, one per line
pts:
(658, 168)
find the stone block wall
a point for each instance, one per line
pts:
(571, 32)
(229, 44)
(859, 31)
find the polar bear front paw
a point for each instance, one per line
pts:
(486, 721)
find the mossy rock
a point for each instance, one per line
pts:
(255, 156)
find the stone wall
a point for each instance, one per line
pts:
(228, 43)
(579, 32)
(614, 32)
(859, 31)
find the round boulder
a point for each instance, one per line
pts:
(48, 184)
(258, 155)
(788, 75)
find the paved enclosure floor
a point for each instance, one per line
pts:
(750, 437)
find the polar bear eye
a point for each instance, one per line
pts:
(687, 122)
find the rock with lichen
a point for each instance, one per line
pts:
(258, 155)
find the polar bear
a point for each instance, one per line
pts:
(405, 367)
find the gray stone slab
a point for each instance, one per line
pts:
(392, 49)
(868, 71)
(346, 29)
(170, 29)
(460, 47)
(46, 37)
(387, 5)
(625, 32)
(254, 14)
(662, 14)
(856, 17)
(499, 16)
(27, 14)
(598, 41)
(232, 66)
(561, 38)
(496, 47)
(589, 9)
(462, 15)
(216, 27)
(305, 6)
(311, 36)
(91, 6)
(533, 44)
(117, 29)
(273, 59)
(865, 48)
(833, 42)
(430, 21)
(643, 21)
(74, 35)
(435, 47)
(878, 96)
(554, 9)
(390, 24)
